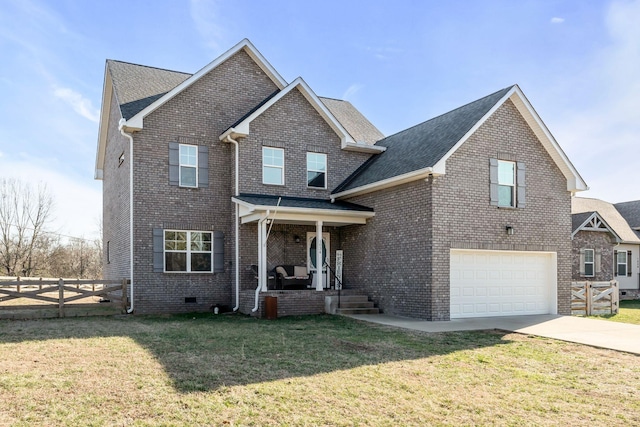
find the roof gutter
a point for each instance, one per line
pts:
(386, 183)
(121, 127)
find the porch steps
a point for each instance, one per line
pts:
(356, 304)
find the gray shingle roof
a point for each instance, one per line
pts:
(609, 213)
(630, 211)
(360, 129)
(301, 202)
(421, 146)
(138, 86)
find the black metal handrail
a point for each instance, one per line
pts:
(335, 277)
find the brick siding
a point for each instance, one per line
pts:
(598, 241)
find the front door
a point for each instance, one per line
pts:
(312, 265)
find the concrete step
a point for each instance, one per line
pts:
(358, 311)
(353, 298)
(357, 304)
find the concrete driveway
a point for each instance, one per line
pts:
(597, 333)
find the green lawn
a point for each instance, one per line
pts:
(629, 313)
(307, 371)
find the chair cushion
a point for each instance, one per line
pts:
(300, 271)
(280, 270)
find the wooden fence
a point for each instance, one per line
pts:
(594, 298)
(17, 294)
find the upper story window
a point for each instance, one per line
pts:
(506, 183)
(188, 165)
(507, 180)
(316, 170)
(272, 166)
(589, 263)
(188, 251)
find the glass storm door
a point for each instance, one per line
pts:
(312, 265)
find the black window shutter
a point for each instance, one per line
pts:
(158, 250)
(629, 263)
(521, 186)
(615, 263)
(493, 180)
(203, 166)
(174, 163)
(218, 252)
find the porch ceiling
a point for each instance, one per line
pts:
(298, 210)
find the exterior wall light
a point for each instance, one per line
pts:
(296, 239)
(509, 230)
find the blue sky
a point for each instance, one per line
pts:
(399, 62)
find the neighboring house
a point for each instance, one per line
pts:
(212, 180)
(605, 244)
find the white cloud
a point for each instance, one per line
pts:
(206, 17)
(351, 90)
(77, 202)
(602, 134)
(80, 104)
(557, 20)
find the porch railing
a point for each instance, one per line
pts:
(336, 278)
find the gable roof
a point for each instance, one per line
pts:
(630, 211)
(591, 221)
(138, 86)
(423, 150)
(242, 127)
(609, 214)
(361, 129)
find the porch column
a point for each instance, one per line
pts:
(319, 279)
(262, 253)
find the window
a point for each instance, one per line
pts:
(506, 183)
(589, 261)
(507, 180)
(316, 170)
(622, 259)
(188, 165)
(272, 166)
(188, 251)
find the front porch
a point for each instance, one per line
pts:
(280, 239)
(293, 302)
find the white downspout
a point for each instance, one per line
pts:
(130, 138)
(236, 225)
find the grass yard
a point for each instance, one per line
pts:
(317, 370)
(629, 313)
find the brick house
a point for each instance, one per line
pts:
(606, 243)
(212, 181)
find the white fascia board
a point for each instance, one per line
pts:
(243, 128)
(136, 123)
(363, 148)
(105, 110)
(250, 213)
(574, 180)
(386, 183)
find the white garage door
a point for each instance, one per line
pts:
(495, 283)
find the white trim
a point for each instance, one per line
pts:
(137, 122)
(242, 129)
(325, 171)
(103, 127)
(180, 166)
(188, 251)
(596, 215)
(361, 147)
(264, 165)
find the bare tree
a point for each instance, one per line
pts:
(24, 214)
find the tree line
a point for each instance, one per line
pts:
(29, 248)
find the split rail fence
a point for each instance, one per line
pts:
(62, 295)
(594, 298)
